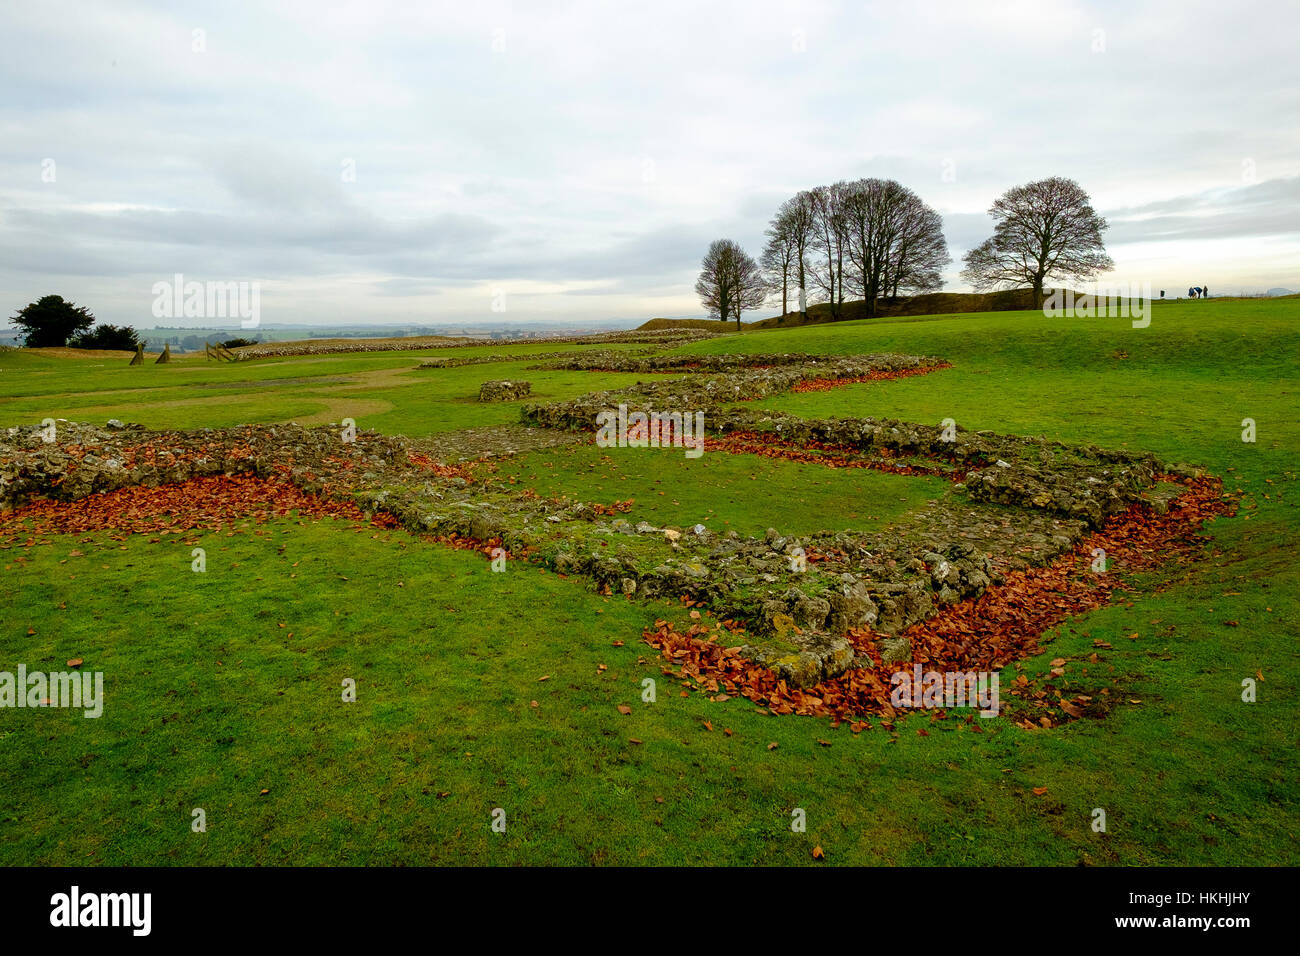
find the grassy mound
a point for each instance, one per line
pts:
(933, 303)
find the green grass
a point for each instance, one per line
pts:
(724, 492)
(448, 663)
(380, 390)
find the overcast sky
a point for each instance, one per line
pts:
(419, 162)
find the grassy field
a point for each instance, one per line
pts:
(224, 685)
(740, 493)
(380, 390)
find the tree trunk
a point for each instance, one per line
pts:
(839, 279)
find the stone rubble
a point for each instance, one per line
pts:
(504, 391)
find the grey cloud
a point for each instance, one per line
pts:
(522, 165)
(136, 241)
(1269, 208)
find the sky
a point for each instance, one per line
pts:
(427, 163)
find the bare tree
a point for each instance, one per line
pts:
(794, 222)
(777, 263)
(868, 211)
(751, 287)
(830, 241)
(919, 253)
(1043, 229)
(895, 241)
(730, 281)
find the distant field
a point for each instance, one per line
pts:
(380, 390)
(482, 690)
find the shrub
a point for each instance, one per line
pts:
(122, 338)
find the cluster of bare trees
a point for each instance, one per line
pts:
(871, 239)
(868, 239)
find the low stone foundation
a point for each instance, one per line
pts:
(1016, 502)
(504, 391)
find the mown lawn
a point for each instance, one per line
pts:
(724, 492)
(210, 700)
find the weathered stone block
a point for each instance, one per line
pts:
(504, 391)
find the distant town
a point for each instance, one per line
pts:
(192, 339)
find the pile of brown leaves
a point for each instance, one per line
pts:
(772, 445)
(439, 469)
(205, 503)
(1001, 626)
(826, 384)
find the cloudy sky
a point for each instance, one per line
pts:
(421, 162)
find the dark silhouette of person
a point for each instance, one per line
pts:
(1205, 292)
